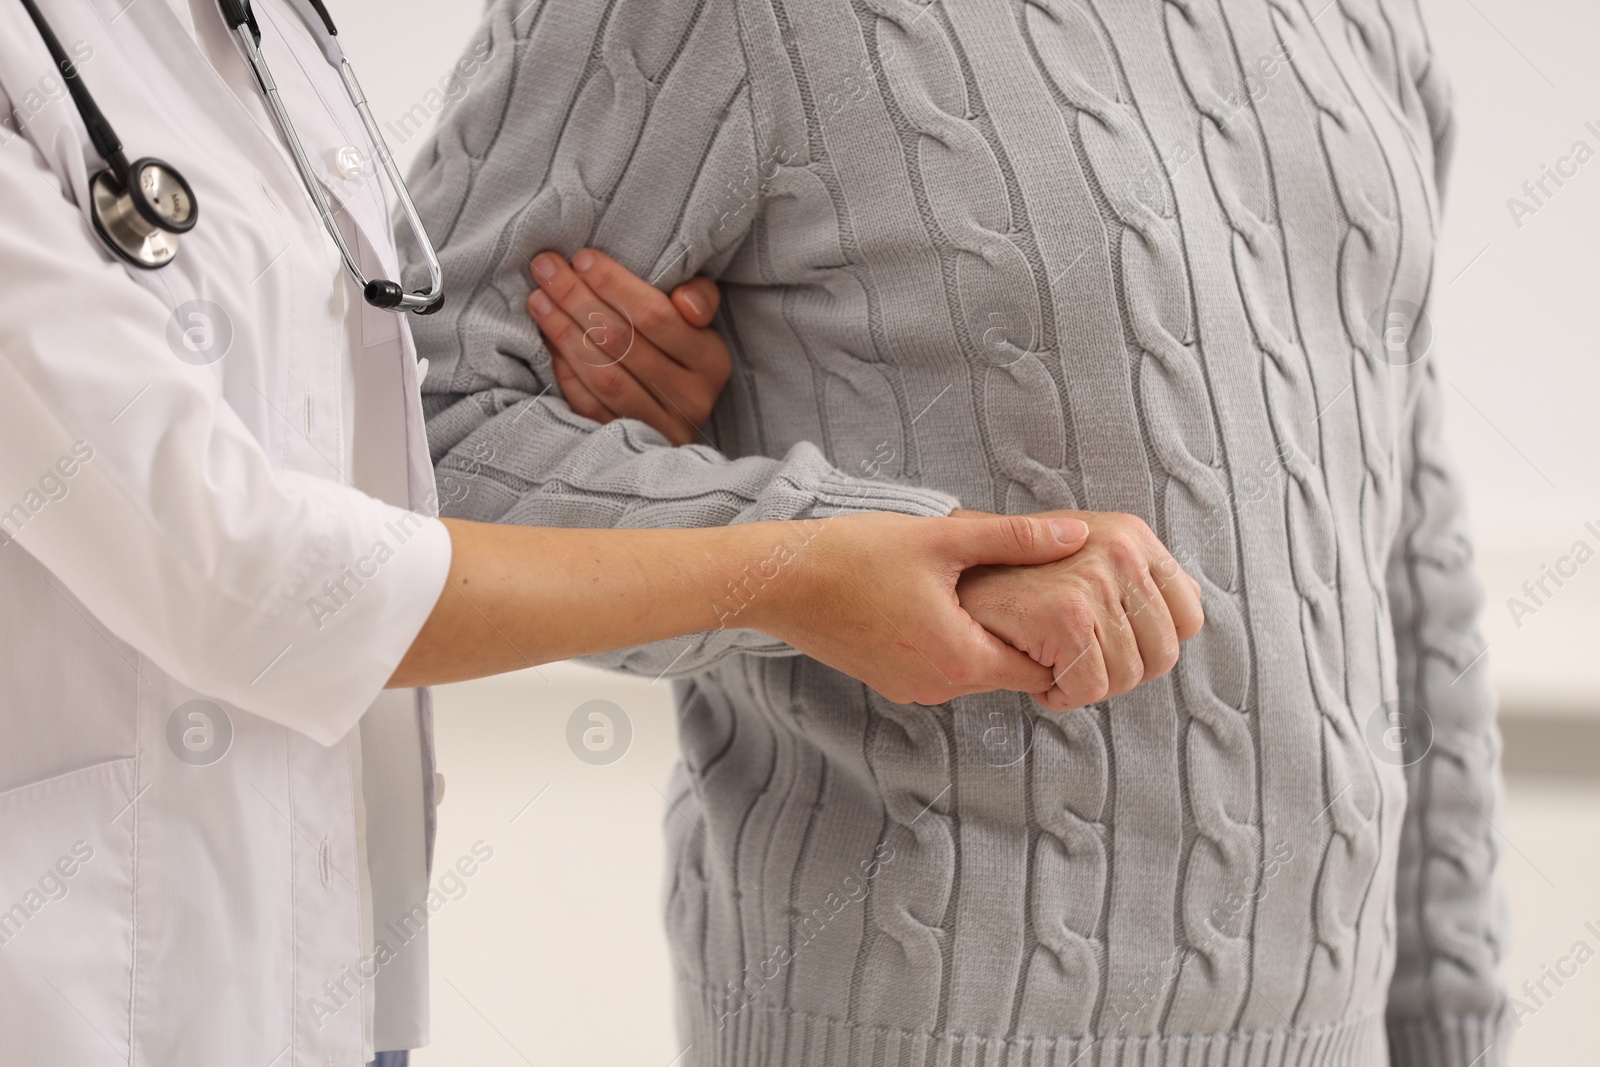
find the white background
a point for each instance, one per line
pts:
(555, 952)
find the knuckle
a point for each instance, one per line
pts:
(1149, 596)
(560, 287)
(655, 316)
(1125, 554)
(1166, 568)
(1111, 587)
(603, 274)
(1082, 692)
(1134, 525)
(1139, 533)
(606, 381)
(1024, 532)
(567, 338)
(1127, 671)
(1076, 614)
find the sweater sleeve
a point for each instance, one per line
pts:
(1447, 1002)
(1448, 1005)
(630, 128)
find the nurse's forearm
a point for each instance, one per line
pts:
(871, 594)
(518, 596)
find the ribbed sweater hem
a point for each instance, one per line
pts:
(1451, 1041)
(776, 1037)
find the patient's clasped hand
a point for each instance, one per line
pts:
(1107, 618)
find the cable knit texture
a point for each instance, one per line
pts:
(1168, 257)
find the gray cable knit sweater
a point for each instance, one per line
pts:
(1156, 256)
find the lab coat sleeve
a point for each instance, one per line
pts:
(637, 132)
(125, 473)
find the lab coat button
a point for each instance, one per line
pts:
(438, 788)
(351, 164)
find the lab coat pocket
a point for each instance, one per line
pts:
(66, 915)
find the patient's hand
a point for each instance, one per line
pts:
(621, 348)
(1104, 620)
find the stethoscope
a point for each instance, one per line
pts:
(141, 209)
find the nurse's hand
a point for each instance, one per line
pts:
(621, 348)
(871, 594)
(874, 595)
(1105, 620)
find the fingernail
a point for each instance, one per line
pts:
(544, 265)
(541, 303)
(1069, 531)
(693, 299)
(583, 260)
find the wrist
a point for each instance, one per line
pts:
(766, 575)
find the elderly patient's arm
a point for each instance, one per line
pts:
(1102, 621)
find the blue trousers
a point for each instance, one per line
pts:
(391, 1059)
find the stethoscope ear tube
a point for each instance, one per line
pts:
(101, 135)
(380, 293)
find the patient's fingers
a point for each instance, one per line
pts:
(621, 368)
(606, 335)
(1152, 623)
(1119, 648)
(609, 334)
(652, 313)
(1182, 595)
(584, 348)
(697, 300)
(577, 394)
(1080, 677)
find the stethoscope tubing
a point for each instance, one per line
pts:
(241, 22)
(377, 293)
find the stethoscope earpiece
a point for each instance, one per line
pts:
(142, 218)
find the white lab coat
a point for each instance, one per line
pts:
(174, 531)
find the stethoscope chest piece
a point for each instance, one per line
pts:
(143, 217)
